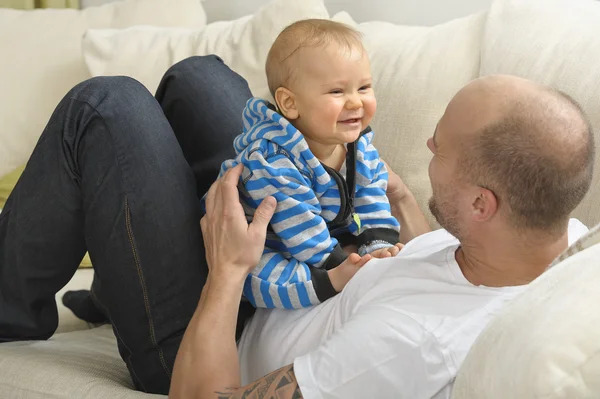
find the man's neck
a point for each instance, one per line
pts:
(503, 262)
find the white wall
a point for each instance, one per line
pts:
(408, 12)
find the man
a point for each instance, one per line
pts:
(511, 160)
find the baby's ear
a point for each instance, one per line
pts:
(286, 103)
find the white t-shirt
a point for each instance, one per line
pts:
(401, 327)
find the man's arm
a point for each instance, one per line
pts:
(207, 364)
(404, 208)
(412, 220)
(280, 384)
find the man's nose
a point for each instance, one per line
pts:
(430, 145)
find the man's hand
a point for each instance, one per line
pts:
(232, 245)
(404, 208)
(396, 189)
(387, 252)
(341, 274)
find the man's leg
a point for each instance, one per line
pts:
(107, 175)
(108, 156)
(203, 100)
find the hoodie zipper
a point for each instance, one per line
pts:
(347, 188)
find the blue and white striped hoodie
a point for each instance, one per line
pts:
(317, 210)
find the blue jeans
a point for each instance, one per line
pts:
(119, 173)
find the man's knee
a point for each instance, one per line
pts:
(197, 79)
(195, 64)
(121, 90)
(124, 105)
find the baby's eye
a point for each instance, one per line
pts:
(336, 91)
(365, 87)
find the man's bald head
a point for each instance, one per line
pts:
(531, 145)
(302, 34)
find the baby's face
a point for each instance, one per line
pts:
(334, 94)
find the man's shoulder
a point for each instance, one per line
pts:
(430, 242)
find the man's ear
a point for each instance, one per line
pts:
(485, 205)
(286, 103)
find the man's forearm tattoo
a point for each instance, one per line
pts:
(280, 384)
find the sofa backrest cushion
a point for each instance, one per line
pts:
(416, 72)
(41, 60)
(242, 43)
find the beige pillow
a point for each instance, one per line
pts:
(146, 53)
(416, 71)
(556, 43)
(545, 343)
(41, 60)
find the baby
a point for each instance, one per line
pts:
(313, 152)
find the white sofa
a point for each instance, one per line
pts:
(416, 72)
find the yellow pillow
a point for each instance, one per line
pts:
(7, 183)
(86, 261)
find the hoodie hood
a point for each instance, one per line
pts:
(263, 123)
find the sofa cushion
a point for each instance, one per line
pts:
(416, 72)
(82, 365)
(586, 241)
(556, 43)
(545, 343)
(42, 60)
(146, 53)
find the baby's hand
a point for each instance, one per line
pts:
(387, 252)
(341, 274)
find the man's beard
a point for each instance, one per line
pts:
(447, 218)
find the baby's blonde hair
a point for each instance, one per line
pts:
(301, 34)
